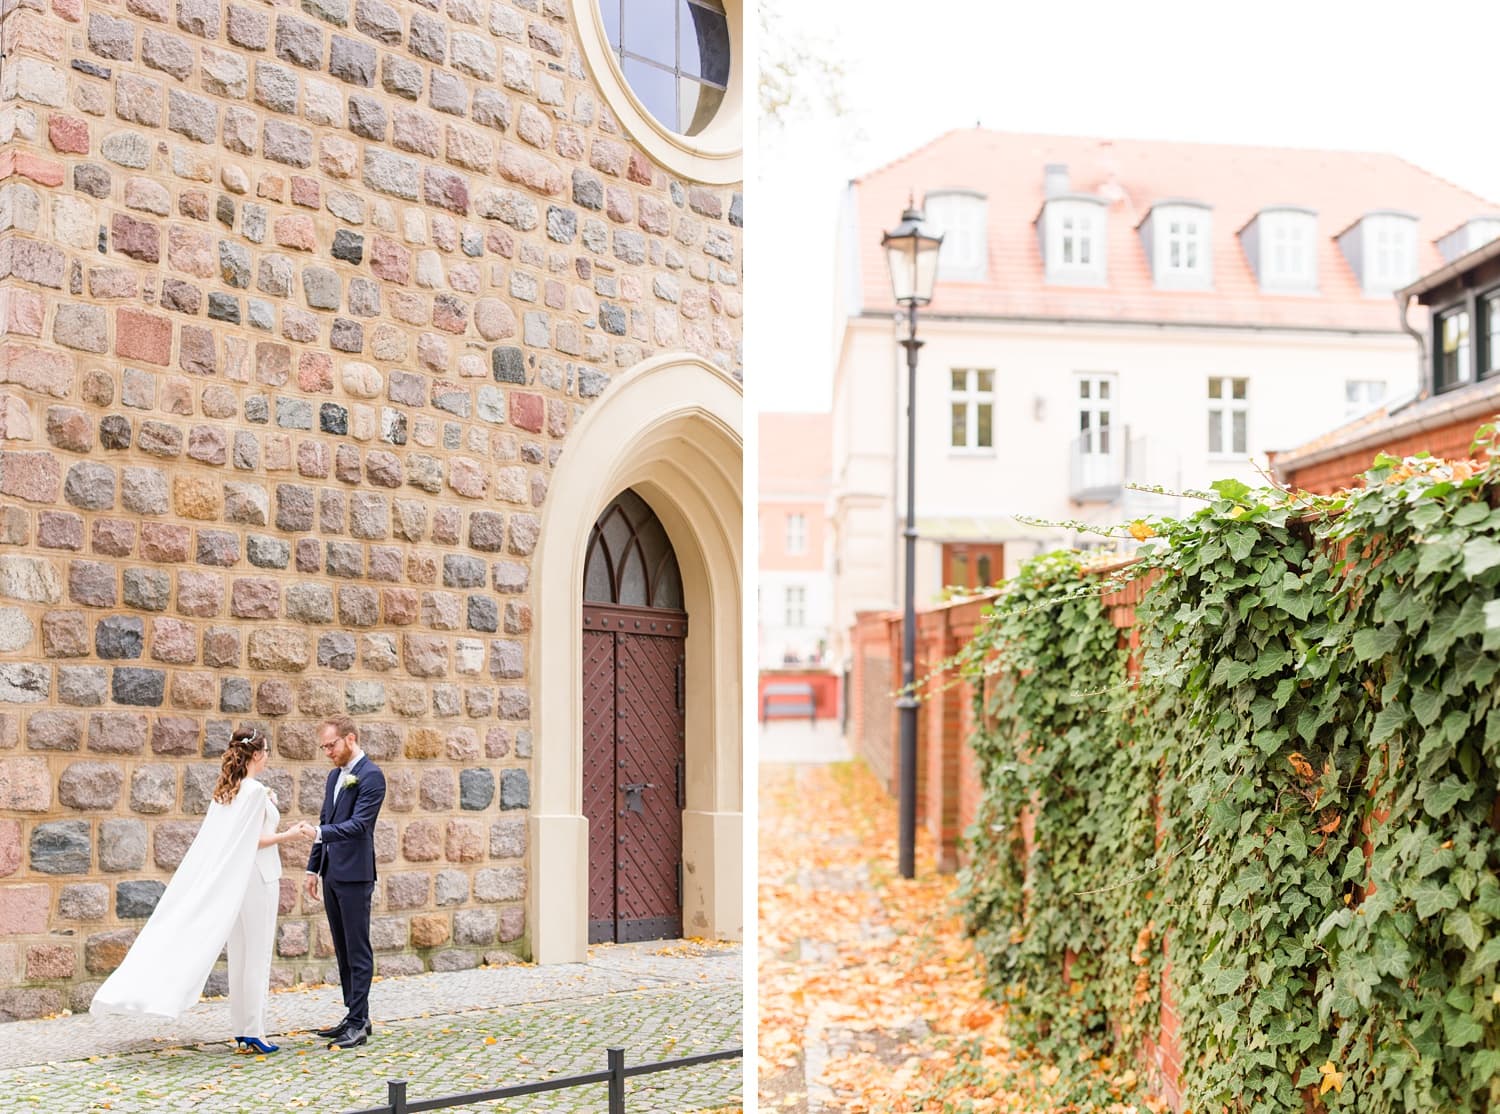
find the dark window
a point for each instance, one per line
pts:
(1454, 349)
(675, 56)
(630, 559)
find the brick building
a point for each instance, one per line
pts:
(1453, 316)
(329, 334)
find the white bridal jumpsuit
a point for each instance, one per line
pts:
(253, 934)
(164, 971)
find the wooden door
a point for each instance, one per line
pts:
(634, 753)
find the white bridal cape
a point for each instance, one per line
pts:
(166, 967)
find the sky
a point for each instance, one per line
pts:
(1362, 75)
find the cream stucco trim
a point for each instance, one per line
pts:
(672, 429)
(715, 155)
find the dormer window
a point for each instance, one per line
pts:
(1176, 236)
(1072, 236)
(1281, 244)
(1472, 235)
(1382, 249)
(960, 216)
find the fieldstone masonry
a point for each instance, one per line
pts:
(297, 308)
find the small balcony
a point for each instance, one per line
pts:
(1100, 466)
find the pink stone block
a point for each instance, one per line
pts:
(33, 476)
(527, 411)
(23, 909)
(143, 336)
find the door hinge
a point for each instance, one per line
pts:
(680, 684)
(681, 782)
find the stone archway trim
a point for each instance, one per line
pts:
(671, 427)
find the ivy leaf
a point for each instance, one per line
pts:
(1484, 1065)
(1440, 799)
(1461, 1028)
(1461, 924)
(1480, 555)
(1233, 490)
(1431, 897)
(1375, 642)
(1427, 705)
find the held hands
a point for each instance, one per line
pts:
(300, 829)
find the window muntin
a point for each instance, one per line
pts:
(1455, 349)
(1096, 406)
(1073, 240)
(960, 217)
(1362, 396)
(794, 606)
(1390, 252)
(675, 56)
(1228, 415)
(1185, 249)
(796, 534)
(971, 405)
(1288, 251)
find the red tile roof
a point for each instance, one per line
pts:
(1236, 181)
(796, 454)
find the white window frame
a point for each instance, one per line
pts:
(1221, 410)
(1181, 236)
(1363, 395)
(1288, 251)
(962, 217)
(972, 398)
(796, 534)
(1390, 252)
(1075, 240)
(794, 605)
(1095, 394)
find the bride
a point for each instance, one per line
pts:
(225, 890)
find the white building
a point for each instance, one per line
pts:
(1109, 312)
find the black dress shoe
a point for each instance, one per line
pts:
(352, 1037)
(336, 1031)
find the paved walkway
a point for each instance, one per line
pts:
(445, 1033)
(795, 741)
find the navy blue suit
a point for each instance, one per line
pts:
(345, 859)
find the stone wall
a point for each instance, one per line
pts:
(299, 305)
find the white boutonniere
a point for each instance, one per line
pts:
(348, 781)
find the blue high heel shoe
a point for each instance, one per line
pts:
(255, 1044)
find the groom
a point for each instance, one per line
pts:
(343, 856)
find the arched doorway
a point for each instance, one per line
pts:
(668, 429)
(634, 753)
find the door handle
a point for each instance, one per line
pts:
(632, 793)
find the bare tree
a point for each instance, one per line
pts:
(799, 75)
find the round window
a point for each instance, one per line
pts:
(675, 57)
(671, 71)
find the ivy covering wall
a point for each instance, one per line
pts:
(1294, 807)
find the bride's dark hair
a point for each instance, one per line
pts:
(243, 746)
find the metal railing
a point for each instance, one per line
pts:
(614, 1075)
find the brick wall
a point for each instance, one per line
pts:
(299, 306)
(1451, 442)
(948, 785)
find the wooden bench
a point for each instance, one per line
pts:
(789, 700)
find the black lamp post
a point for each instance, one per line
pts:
(912, 253)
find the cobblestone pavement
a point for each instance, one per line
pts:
(445, 1033)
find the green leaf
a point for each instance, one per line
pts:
(1480, 555)
(1233, 490)
(1375, 642)
(1440, 799)
(1461, 923)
